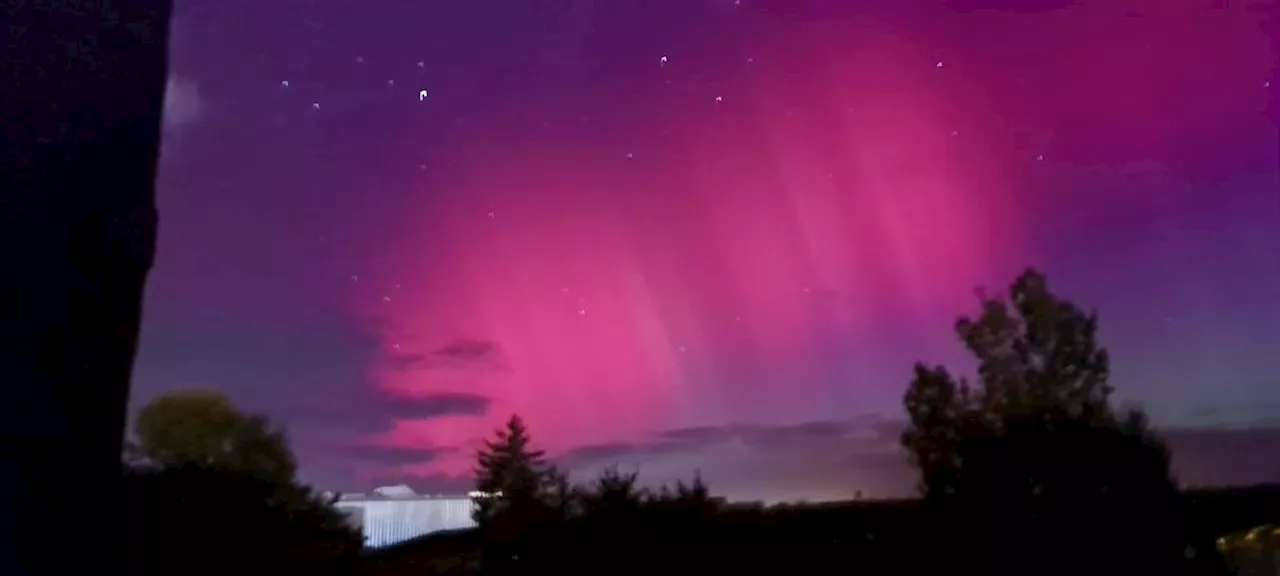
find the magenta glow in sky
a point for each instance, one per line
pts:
(624, 219)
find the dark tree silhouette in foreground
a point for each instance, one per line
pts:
(1032, 466)
(214, 491)
(514, 489)
(80, 111)
(203, 428)
(511, 476)
(196, 521)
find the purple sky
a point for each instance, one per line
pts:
(705, 234)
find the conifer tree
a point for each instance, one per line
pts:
(511, 476)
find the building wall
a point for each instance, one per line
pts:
(392, 521)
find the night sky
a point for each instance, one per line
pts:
(705, 234)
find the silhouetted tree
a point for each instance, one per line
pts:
(213, 491)
(1035, 453)
(514, 485)
(201, 520)
(563, 497)
(613, 494)
(937, 409)
(203, 428)
(510, 474)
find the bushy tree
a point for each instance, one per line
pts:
(203, 428)
(213, 491)
(1034, 451)
(564, 499)
(195, 520)
(686, 501)
(613, 494)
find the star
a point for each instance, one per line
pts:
(582, 311)
(422, 64)
(630, 156)
(391, 82)
(315, 105)
(422, 95)
(386, 298)
(284, 83)
(719, 99)
(662, 61)
(938, 65)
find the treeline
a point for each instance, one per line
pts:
(1029, 467)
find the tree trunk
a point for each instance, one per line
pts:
(81, 94)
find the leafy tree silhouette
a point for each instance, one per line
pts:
(614, 496)
(212, 491)
(203, 428)
(1032, 467)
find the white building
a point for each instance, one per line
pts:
(394, 514)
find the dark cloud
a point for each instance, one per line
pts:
(377, 411)
(460, 353)
(599, 452)
(395, 456)
(468, 349)
(312, 378)
(450, 404)
(813, 460)
(405, 361)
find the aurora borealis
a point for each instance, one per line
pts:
(627, 219)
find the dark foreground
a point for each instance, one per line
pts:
(885, 537)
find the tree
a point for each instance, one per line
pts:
(1036, 445)
(614, 495)
(511, 476)
(564, 499)
(203, 428)
(214, 491)
(200, 521)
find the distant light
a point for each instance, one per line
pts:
(422, 95)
